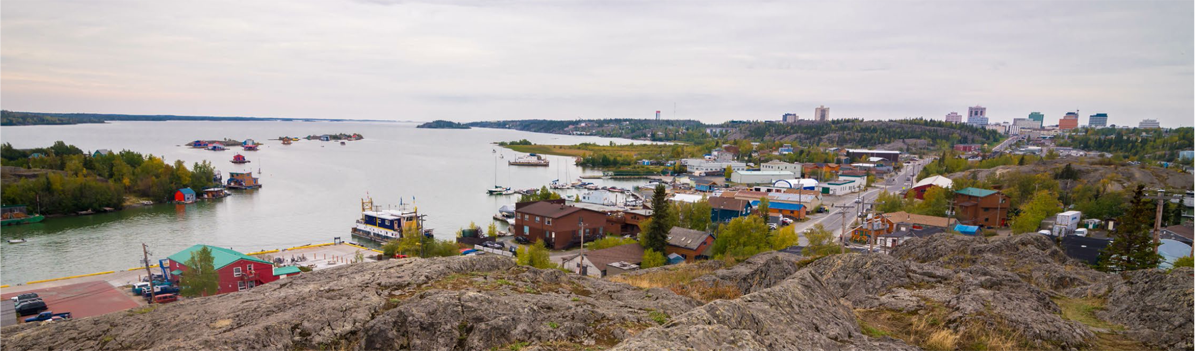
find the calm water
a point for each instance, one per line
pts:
(311, 189)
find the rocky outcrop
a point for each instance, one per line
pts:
(429, 304)
(799, 313)
(1156, 308)
(756, 273)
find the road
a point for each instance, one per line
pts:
(832, 221)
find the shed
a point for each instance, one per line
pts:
(286, 271)
(674, 259)
(185, 195)
(966, 229)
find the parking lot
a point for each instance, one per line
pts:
(84, 299)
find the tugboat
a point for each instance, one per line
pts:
(380, 226)
(242, 181)
(16, 214)
(239, 159)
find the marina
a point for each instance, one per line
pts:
(308, 194)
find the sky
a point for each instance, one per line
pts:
(474, 60)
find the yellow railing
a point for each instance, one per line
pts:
(70, 277)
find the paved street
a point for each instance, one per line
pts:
(832, 220)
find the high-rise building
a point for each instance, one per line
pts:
(1149, 123)
(1020, 124)
(977, 116)
(822, 114)
(1098, 120)
(790, 118)
(1037, 116)
(953, 117)
(1069, 121)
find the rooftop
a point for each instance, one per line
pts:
(863, 151)
(975, 192)
(727, 203)
(631, 253)
(549, 209)
(221, 256)
(905, 217)
(935, 180)
(686, 238)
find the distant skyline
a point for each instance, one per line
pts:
(474, 60)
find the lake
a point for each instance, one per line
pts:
(311, 189)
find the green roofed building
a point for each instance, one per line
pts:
(981, 207)
(236, 271)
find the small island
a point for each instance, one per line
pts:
(443, 124)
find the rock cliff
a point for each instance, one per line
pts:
(942, 292)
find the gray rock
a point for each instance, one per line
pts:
(1156, 307)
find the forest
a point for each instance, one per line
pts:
(77, 181)
(1140, 144)
(10, 118)
(443, 124)
(860, 133)
(645, 129)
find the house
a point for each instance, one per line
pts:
(815, 170)
(981, 207)
(908, 221)
(686, 198)
(102, 152)
(689, 243)
(235, 271)
(215, 146)
(598, 263)
(872, 227)
(725, 209)
(1084, 249)
(248, 142)
(1181, 233)
(893, 239)
(558, 225)
(923, 185)
(759, 177)
(285, 271)
(967, 147)
(185, 196)
(199, 144)
(242, 180)
(707, 186)
(787, 209)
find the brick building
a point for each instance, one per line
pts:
(557, 224)
(981, 207)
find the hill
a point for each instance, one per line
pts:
(860, 133)
(443, 124)
(941, 292)
(663, 130)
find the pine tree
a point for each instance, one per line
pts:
(1133, 245)
(1177, 214)
(660, 222)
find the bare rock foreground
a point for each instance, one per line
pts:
(942, 292)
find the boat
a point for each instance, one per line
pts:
(239, 159)
(534, 160)
(380, 226)
(506, 213)
(287, 141)
(343, 143)
(16, 214)
(16, 241)
(499, 190)
(238, 180)
(214, 193)
(250, 147)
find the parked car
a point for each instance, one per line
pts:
(25, 296)
(166, 298)
(493, 245)
(47, 316)
(30, 306)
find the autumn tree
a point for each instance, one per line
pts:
(200, 278)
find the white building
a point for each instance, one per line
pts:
(1148, 123)
(686, 198)
(703, 165)
(805, 183)
(937, 180)
(953, 117)
(795, 168)
(1021, 124)
(999, 128)
(840, 187)
(759, 177)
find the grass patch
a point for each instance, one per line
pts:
(144, 309)
(659, 317)
(1083, 310)
(871, 331)
(678, 279)
(927, 328)
(552, 325)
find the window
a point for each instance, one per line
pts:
(526, 230)
(249, 268)
(241, 285)
(250, 285)
(237, 271)
(537, 219)
(547, 221)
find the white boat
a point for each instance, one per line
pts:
(16, 241)
(499, 190)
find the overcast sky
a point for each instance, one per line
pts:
(488, 60)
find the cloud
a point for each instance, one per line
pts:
(483, 60)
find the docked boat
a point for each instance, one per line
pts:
(16, 241)
(239, 159)
(246, 180)
(499, 190)
(381, 226)
(249, 147)
(343, 143)
(16, 214)
(214, 193)
(507, 213)
(531, 160)
(287, 141)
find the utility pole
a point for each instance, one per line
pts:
(1158, 219)
(582, 238)
(149, 276)
(842, 234)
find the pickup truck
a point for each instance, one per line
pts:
(48, 316)
(140, 287)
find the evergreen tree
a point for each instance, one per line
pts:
(1177, 214)
(660, 221)
(1133, 245)
(200, 278)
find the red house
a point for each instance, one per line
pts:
(236, 270)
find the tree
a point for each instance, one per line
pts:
(764, 209)
(536, 255)
(1186, 261)
(491, 231)
(820, 242)
(1177, 214)
(890, 202)
(1067, 172)
(410, 240)
(937, 201)
(609, 241)
(784, 237)
(660, 221)
(651, 259)
(1132, 247)
(728, 172)
(742, 237)
(1044, 204)
(390, 248)
(200, 278)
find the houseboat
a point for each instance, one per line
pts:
(16, 214)
(239, 180)
(239, 159)
(379, 226)
(531, 160)
(287, 141)
(214, 193)
(185, 196)
(251, 147)
(216, 146)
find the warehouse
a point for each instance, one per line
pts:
(760, 177)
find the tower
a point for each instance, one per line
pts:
(822, 114)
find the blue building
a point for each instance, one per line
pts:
(725, 209)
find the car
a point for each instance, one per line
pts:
(30, 306)
(25, 296)
(48, 316)
(166, 298)
(493, 245)
(521, 240)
